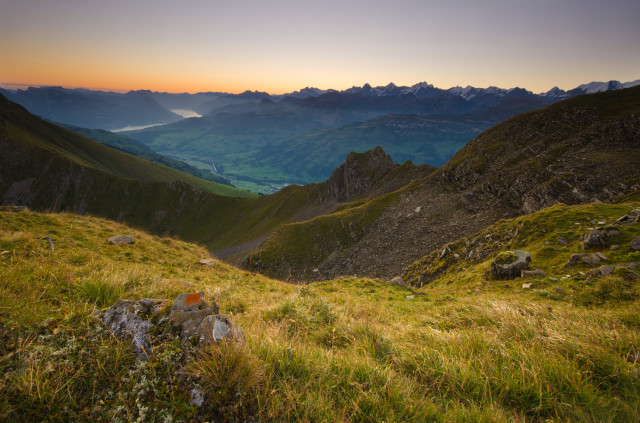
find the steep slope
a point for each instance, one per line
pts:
(22, 128)
(581, 150)
(92, 109)
(138, 149)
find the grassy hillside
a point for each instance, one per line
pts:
(341, 350)
(24, 128)
(136, 148)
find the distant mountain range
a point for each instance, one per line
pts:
(263, 142)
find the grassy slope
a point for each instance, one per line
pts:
(31, 131)
(348, 350)
(136, 148)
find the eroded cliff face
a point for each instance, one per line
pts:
(359, 175)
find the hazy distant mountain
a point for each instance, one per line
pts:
(92, 109)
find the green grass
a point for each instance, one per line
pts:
(350, 349)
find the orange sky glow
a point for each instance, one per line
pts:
(281, 46)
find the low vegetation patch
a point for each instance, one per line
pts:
(463, 348)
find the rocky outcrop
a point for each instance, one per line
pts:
(358, 174)
(635, 244)
(190, 317)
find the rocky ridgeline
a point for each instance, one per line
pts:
(189, 317)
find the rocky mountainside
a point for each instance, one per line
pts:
(580, 150)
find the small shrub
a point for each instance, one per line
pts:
(230, 378)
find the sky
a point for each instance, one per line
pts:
(280, 46)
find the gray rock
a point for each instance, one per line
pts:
(410, 297)
(532, 273)
(590, 259)
(601, 256)
(121, 240)
(190, 314)
(559, 289)
(197, 397)
(587, 258)
(635, 244)
(511, 270)
(398, 281)
(598, 237)
(214, 328)
(125, 319)
(552, 279)
(207, 262)
(417, 210)
(562, 241)
(50, 241)
(527, 285)
(445, 252)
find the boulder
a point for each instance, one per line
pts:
(207, 262)
(398, 281)
(635, 244)
(598, 237)
(510, 264)
(121, 240)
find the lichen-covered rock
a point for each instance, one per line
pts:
(512, 268)
(121, 240)
(127, 318)
(190, 315)
(216, 328)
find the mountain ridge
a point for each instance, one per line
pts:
(522, 165)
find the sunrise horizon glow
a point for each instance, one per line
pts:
(283, 46)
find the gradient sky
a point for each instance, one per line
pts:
(280, 45)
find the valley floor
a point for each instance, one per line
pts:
(350, 349)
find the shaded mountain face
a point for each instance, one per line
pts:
(91, 109)
(578, 151)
